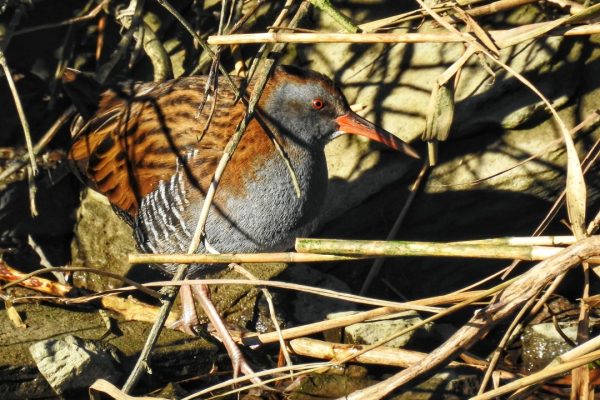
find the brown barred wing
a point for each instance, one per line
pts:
(135, 141)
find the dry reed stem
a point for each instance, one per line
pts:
(497, 6)
(357, 249)
(499, 37)
(316, 327)
(322, 37)
(235, 258)
(511, 299)
(389, 356)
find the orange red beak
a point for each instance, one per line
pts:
(357, 125)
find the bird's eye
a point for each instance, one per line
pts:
(318, 104)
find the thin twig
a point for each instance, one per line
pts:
(227, 154)
(259, 86)
(20, 111)
(154, 49)
(90, 15)
(497, 6)
(420, 305)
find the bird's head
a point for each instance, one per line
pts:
(310, 108)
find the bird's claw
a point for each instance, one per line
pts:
(240, 365)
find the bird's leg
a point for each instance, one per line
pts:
(189, 317)
(238, 361)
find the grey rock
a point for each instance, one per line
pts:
(71, 363)
(372, 331)
(102, 241)
(542, 343)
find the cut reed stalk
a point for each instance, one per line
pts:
(376, 248)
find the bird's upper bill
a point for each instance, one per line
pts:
(355, 124)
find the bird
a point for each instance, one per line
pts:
(152, 150)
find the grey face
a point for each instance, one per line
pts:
(306, 111)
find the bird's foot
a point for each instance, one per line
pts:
(189, 316)
(238, 362)
(184, 326)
